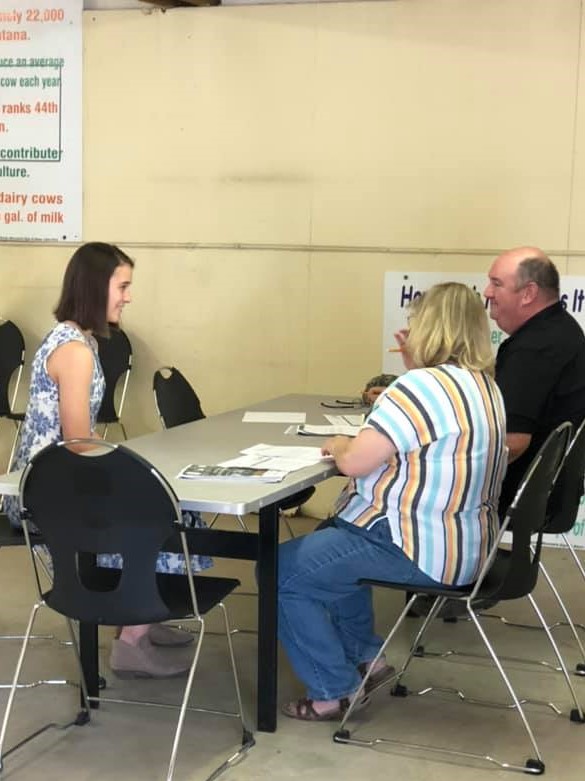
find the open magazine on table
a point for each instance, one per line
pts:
(236, 473)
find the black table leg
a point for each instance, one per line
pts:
(267, 618)
(88, 651)
(88, 640)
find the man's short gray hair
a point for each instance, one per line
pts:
(542, 272)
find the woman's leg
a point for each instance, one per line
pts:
(315, 573)
(133, 634)
(136, 650)
(325, 618)
(353, 619)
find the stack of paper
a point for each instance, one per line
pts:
(280, 457)
(273, 461)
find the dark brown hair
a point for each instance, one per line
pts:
(84, 294)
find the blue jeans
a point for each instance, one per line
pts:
(325, 619)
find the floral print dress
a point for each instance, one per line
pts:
(42, 427)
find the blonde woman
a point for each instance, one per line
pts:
(420, 507)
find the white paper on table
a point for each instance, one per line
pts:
(343, 420)
(310, 455)
(274, 417)
(355, 420)
(285, 465)
(341, 429)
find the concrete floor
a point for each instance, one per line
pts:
(125, 742)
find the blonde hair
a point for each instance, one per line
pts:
(448, 324)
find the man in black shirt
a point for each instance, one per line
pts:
(540, 368)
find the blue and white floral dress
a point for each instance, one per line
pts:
(42, 427)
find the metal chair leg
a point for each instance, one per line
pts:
(429, 618)
(185, 701)
(506, 680)
(7, 712)
(342, 735)
(240, 520)
(82, 718)
(284, 518)
(580, 668)
(85, 714)
(573, 554)
(576, 714)
(18, 424)
(568, 620)
(358, 696)
(242, 523)
(230, 646)
(247, 736)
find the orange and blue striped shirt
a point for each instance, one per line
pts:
(439, 493)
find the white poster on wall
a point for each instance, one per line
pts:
(40, 120)
(401, 288)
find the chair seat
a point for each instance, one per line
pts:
(174, 590)
(431, 591)
(13, 415)
(491, 588)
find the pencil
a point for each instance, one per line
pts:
(394, 350)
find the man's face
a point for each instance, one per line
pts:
(503, 293)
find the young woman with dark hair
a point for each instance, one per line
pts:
(66, 390)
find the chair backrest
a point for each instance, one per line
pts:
(11, 359)
(108, 500)
(515, 575)
(568, 489)
(175, 399)
(115, 354)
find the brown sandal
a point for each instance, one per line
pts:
(303, 710)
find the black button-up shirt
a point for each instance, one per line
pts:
(540, 369)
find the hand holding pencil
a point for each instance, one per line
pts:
(401, 338)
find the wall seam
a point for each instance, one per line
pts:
(575, 127)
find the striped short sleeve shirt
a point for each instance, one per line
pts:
(439, 493)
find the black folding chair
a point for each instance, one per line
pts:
(11, 360)
(112, 501)
(115, 354)
(175, 399)
(507, 574)
(177, 403)
(562, 513)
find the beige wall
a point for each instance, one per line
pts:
(309, 134)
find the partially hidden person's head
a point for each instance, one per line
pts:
(376, 386)
(522, 282)
(448, 324)
(95, 287)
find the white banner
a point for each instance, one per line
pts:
(401, 289)
(40, 120)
